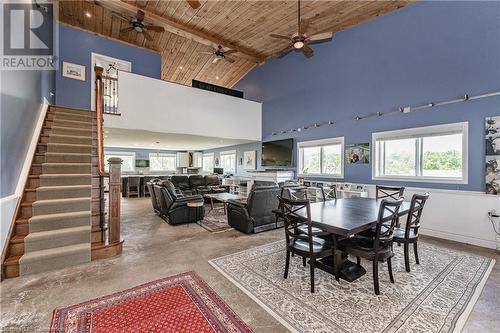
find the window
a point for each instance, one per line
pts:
(208, 162)
(162, 162)
(434, 153)
(128, 164)
(321, 158)
(228, 161)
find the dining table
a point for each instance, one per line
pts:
(342, 218)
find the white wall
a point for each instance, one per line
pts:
(160, 106)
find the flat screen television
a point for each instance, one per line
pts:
(277, 153)
(142, 163)
(219, 171)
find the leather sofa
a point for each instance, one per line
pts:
(181, 183)
(212, 185)
(173, 208)
(196, 184)
(257, 214)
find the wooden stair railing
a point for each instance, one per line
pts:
(111, 241)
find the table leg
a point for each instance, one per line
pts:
(337, 258)
(211, 203)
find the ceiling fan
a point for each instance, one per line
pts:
(220, 54)
(137, 24)
(300, 40)
(193, 3)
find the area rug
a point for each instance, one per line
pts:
(180, 303)
(215, 220)
(437, 296)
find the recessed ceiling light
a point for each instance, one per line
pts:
(180, 67)
(88, 14)
(216, 77)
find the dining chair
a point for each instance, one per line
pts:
(379, 247)
(329, 193)
(145, 181)
(390, 192)
(409, 234)
(302, 244)
(133, 186)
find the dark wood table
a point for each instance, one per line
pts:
(343, 218)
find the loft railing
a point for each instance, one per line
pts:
(110, 94)
(111, 239)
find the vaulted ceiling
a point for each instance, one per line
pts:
(241, 25)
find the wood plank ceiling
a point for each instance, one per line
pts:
(245, 25)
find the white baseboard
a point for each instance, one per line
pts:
(459, 238)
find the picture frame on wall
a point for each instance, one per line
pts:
(73, 71)
(492, 162)
(249, 160)
(358, 153)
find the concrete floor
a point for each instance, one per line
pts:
(153, 250)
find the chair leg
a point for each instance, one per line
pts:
(375, 277)
(287, 264)
(311, 267)
(304, 261)
(415, 249)
(407, 257)
(389, 268)
(358, 261)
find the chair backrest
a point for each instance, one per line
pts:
(386, 221)
(134, 181)
(196, 181)
(151, 190)
(162, 205)
(262, 201)
(289, 209)
(179, 181)
(416, 209)
(212, 180)
(391, 192)
(166, 194)
(294, 193)
(329, 193)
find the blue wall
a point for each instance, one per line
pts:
(76, 46)
(427, 51)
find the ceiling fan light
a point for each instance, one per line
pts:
(298, 44)
(138, 29)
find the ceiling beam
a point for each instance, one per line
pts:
(181, 29)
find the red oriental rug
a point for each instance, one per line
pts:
(180, 303)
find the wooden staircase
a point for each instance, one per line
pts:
(60, 220)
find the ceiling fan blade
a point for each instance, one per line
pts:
(125, 30)
(216, 60)
(304, 24)
(155, 28)
(231, 60)
(308, 52)
(279, 36)
(319, 41)
(206, 52)
(284, 52)
(147, 35)
(120, 16)
(230, 51)
(324, 35)
(140, 15)
(193, 3)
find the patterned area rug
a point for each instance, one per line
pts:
(437, 296)
(180, 303)
(215, 220)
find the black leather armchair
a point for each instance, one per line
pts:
(257, 214)
(181, 183)
(154, 200)
(174, 209)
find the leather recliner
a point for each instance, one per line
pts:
(212, 185)
(257, 214)
(197, 183)
(174, 209)
(154, 200)
(182, 184)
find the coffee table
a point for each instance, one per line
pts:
(222, 197)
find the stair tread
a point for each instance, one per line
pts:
(24, 220)
(67, 136)
(64, 163)
(54, 175)
(62, 154)
(58, 232)
(55, 251)
(69, 128)
(62, 187)
(66, 144)
(67, 200)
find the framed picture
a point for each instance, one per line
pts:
(492, 136)
(493, 175)
(73, 71)
(216, 161)
(249, 160)
(358, 153)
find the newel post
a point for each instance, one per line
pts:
(115, 165)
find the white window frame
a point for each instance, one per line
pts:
(228, 152)
(418, 132)
(128, 153)
(163, 155)
(320, 143)
(212, 155)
